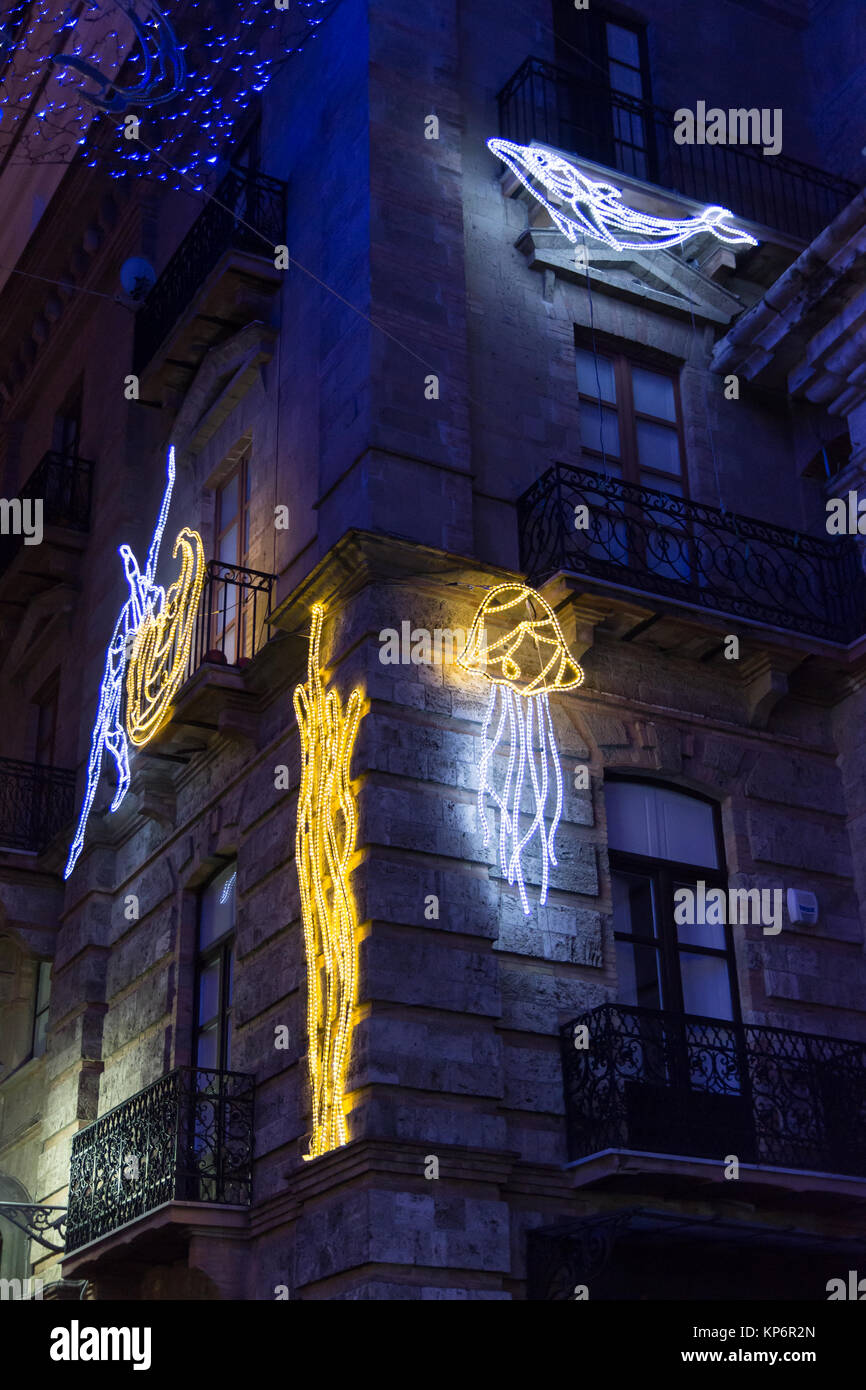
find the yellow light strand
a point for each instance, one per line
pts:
(324, 845)
(160, 652)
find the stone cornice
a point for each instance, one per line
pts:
(803, 334)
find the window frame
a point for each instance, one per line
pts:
(581, 47)
(220, 951)
(239, 600)
(628, 458)
(663, 873)
(47, 702)
(39, 1013)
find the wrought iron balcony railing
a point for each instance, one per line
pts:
(188, 1137)
(647, 540)
(247, 213)
(576, 112)
(700, 1087)
(63, 483)
(233, 621)
(35, 803)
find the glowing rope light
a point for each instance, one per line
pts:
(324, 844)
(204, 78)
(227, 888)
(545, 664)
(596, 207)
(162, 644)
(152, 635)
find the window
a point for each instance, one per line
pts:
(66, 435)
(232, 630)
(630, 426)
(216, 927)
(46, 721)
(661, 840)
(630, 417)
(40, 1009)
(603, 111)
(247, 152)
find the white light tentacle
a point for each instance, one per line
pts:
(554, 754)
(488, 750)
(515, 867)
(505, 819)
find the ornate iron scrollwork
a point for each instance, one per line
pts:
(187, 1137)
(561, 1258)
(674, 548)
(702, 1087)
(36, 1221)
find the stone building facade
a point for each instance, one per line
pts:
(400, 415)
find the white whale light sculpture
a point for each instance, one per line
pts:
(597, 209)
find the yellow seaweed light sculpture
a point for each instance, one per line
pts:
(324, 844)
(523, 667)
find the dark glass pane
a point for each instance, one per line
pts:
(228, 503)
(633, 904)
(625, 79)
(631, 161)
(663, 484)
(228, 547)
(637, 973)
(660, 823)
(706, 985)
(593, 429)
(206, 1050)
(622, 44)
(653, 393)
(595, 373)
(698, 933)
(658, 446)
(209, 991)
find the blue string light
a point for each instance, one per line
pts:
(61, 72)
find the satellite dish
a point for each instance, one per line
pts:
(138, 277)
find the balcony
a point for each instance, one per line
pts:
(218, 279)
(188, 1137)
(660, 1083)
(63, 483)
(575, 112)
(642, 539)
(35, 804)
(233, 621)
(221, 695)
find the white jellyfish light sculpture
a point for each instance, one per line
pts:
(523, 666)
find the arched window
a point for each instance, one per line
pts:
(660, 841)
